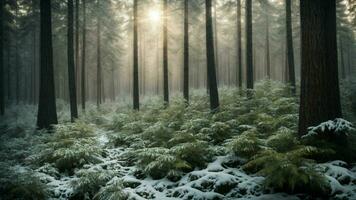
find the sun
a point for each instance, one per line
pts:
(154, 15)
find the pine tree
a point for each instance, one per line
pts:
(83, 75)
(71, 65)
(290, 51)
(186, 52)
(210, 55)
(320, 98)
(136, 93)
(2, 76)
(98, 54)
(165, 53)
(47, 114)
(249, 54)
(239, 44)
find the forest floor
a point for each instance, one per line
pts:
(247, 150)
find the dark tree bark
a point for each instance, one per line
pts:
(268, 58)
(98, 58)
(17, 65)
(249, 54)
(2, 75)
(320, 98)
(165, 53)
(239, 45)
(186, 52)
(77, 66)
(342, 61)
(290, 48)
(136, 92)
(71, 66)
(83, 75)
(210, 56)
(47, 114)
(216, 43)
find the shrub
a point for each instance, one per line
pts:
(245, 145)
(218, 132)
(195, 125)
(157, 135)
(159, 162)
(70, 147)
(24, 184)
(112, 191)
(289, 172)
(283, 140)
(196, 153)
(90, 181)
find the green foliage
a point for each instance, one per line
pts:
(283, 140)
(70, 147)
(290, 171)
(22, 184)
(112, 191)
(197, 153)
(159, 162)
(90, 181)
(218, 132)
(157, 135)
(245, 145)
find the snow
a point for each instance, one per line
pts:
(337, 126)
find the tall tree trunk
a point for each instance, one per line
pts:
(165, 53)
(268, 58)
(2, 75)
(239, 44)
(249, 54)
(186, 52)
(210, 56)
(83, 75)
(290, 48)
(98, 54)
(77, 66)
(343, 70)
(136, 92)
(216, 43)
(320, 98)
(18, 69)
(47, 113)
(71, 65)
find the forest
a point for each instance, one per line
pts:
(177, 99)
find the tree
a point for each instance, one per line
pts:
(47, 114)
(2, 76)
(165, 52)
(136, 92)
(249, 54)
(83, 75)
(210, 56)
(239, 44)
(268, 58)
(71, 65)
(320, 98)
(186, 52)
(77, 42)
(290, 51)
(98, 54)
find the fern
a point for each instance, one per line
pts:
(197, 153)
(24, 184)
(246, 145)
(70, 147)
(283, 140)
(159, 162)
(90, 181)
(112, 191)
(290, 172)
